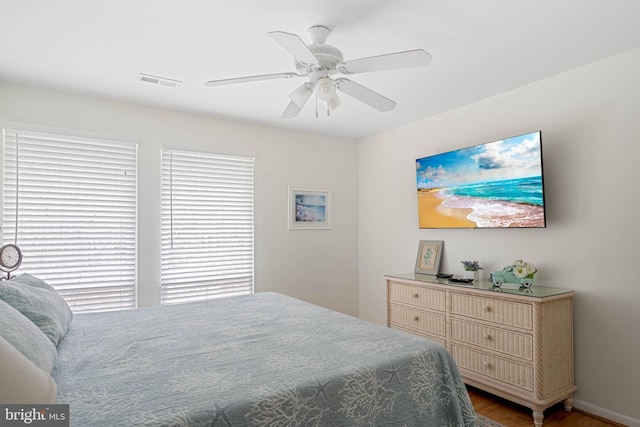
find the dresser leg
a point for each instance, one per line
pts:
(568, 403)
(538, 416)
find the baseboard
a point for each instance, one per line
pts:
(605, 413)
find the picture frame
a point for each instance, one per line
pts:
(429, 257)
(310, 209)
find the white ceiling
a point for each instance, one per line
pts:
(479, 48)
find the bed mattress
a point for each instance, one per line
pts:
(257, 360)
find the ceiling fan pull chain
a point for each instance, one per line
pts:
(316, 104)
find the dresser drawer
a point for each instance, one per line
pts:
(437, 338)
(414, 319)
(508, 342)
(507, 371)
(433, 299)
(507, 313)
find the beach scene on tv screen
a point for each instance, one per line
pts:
(492, 185)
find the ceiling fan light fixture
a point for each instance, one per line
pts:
(325, 88)
(334, 103)
(301, 95)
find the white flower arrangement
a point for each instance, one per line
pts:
(523, 269)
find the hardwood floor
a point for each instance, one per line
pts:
(513, 415)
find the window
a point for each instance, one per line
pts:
(69, 203)
(207, 226)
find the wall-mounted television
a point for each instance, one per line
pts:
(493, 185)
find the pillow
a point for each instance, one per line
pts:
(21, 333)
(44, 307)
(29, 280)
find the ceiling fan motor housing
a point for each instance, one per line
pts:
(328, 57)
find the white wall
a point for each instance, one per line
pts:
(590, 122)
(319, 266)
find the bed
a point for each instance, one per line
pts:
(256, 360)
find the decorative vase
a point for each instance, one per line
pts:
(472, 274)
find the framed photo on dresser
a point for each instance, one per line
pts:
(429, 256)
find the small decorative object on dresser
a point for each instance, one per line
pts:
(514, 343)
(473, 267)
(521, 273)
(525, 272)
(429, 256)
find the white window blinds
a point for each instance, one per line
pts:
(207, 226)
(70, 205)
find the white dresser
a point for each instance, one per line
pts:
(514, 343)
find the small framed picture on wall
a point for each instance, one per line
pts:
(309, 208)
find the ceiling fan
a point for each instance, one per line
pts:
(319, 61)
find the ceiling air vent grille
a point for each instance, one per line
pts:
(163, 81)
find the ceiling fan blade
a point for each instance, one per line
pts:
(295, 46)
(390, 61)
(363, 94)
(248, 79)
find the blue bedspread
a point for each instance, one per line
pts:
(258, 360)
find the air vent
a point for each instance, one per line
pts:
(163, 81)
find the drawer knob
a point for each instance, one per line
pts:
(416, 318)
(487, 337)
(486, 365)
(416, 295)
(486, 309)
